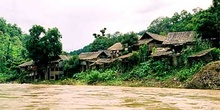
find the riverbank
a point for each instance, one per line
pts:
(196, 76)
(206, 77)
(147, 83)
(171, 83)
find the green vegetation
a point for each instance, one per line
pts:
(139, 70)
(43, 46)
(17, 48)
(71, 66)
(11, 50)
(103, 42)
(205, 22)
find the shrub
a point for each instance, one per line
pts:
(95, 76)
(215, 54)
(71, 66)
(139, 72)
(161, 67)
(12, 76)
(134, 59)
(188, 72)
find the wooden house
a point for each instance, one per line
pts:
(167, 53)
(54, 69)
(30, 69)
(162, 52)
(152, 40)
(102, 63)
(201, 56)
(125, 60)
(89, 59)
(116, 50)
(177, 40)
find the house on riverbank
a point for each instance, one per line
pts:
(173, 45)
(204, 55)
(116, 50)
(150, 39)
(89, 59)
(179, 40)
(54, 69)
(30, 69)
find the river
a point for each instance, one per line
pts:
(65, 97)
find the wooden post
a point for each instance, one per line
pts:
(174, 58)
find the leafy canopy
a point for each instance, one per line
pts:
(43, 45)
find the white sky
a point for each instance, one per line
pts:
(77, 20)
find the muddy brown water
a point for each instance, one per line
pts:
(64, 97)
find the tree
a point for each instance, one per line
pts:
(101, 43)
(10, 45)
(129, 39)
(208, 23)
(43, 46)
(216, 10)
(182, 21)
(102, 33)
(160, 25)
(71, 66)
(215, 3)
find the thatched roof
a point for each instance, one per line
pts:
(103, 61)
(29, 63)
(144, 41)
(161, 52)
(179, 38)
(156, 37)
(108, 53)
(64, 57)
(139, 37)
(126, 56)
(89, 55)
(116, 46)
(201, 53)
(61, 58)
(93, 55)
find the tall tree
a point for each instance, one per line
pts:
(10, 46)
(208, 23)
(43, 45)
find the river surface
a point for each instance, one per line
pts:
(64, 97)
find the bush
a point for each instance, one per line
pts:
(188, 72)
(8, 77)
(95, 76)
(139, 72)
(135, 58)
(161, 67)
(71, 66)
(215, 54)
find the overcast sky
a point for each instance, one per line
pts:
(77, 20)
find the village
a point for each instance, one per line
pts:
(158, 47)
(110, 55)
